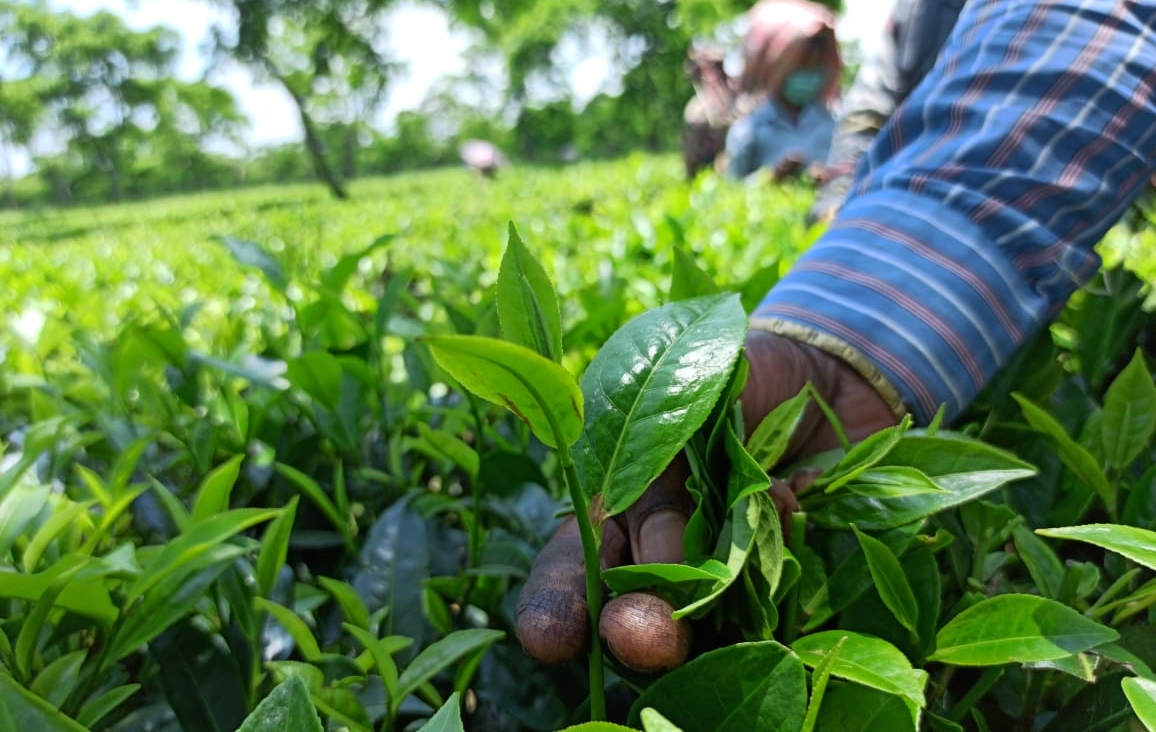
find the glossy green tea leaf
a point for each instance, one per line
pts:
(768, 443)
(1073, 455)
(441, 654)
(687, 280)
(1045, 568)
(527, 303)
(1141, 695)
(296, 627)
(449, 717)
(865, 454)
(22, 710)
(538, 391)
(1129, 415)
(961, 468)
(631, 577)
(890, 581)
(649, 388)
(737, 688)
(275, 547)
(214, 491)
(1136, 544)
(891, 481)
(819, 678)
(288, 708)
(855, 708)
(735, 543)
(1017, 629)
(653, 721)
(99, 706)
(864, 659)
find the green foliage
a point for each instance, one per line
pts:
(238, 482)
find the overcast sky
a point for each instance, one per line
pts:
(419, 36)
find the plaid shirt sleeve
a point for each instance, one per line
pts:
(975, 215)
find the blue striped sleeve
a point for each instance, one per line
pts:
(974, 215)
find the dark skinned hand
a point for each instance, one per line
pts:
(551, 620)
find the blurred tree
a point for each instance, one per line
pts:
(103, 91)
(328, 57)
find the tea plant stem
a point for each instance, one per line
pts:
(987, 680)
(791, 614)
(593, 584)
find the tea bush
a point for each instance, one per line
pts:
(236, 482)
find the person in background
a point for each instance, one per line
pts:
(915, 32)
(791, 67)
(971, 221)
(710, 112)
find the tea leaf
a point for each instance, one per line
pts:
(313, 490)
(213, 494)
(1129, 416)
(1136, 544)
(527, 303)
(1016, 629)
(819, 678)
(288, 708)
(538, 391)
(449, 717)
(738, 688)
(687, 280)
(865, 660)
(865, 454)
(318, 374)
(275, 547)
(96, 708)
(855, 708)
(652, 721)
(352, 607)
(441, 654)
(648, 389)
(1043, 565)
(769, 442)
(253, 255)
(298, 630)
(1073, 455)
(890, 581)
(22, 710)
(962, 469)
(1141, 695)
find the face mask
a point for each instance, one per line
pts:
(803, 86)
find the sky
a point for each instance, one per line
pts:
(418, 35)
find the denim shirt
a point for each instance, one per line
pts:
(766, 136)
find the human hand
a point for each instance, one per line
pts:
(551, 620)
(789, 167)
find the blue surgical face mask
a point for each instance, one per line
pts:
(802, 86)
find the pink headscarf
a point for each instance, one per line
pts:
(776, 43)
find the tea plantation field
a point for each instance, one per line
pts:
(237, 487)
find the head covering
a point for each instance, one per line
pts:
(776, 43)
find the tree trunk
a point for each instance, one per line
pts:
(315, 147)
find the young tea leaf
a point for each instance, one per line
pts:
(863, 659)
(449, 717)
(687, 280)
(1129, 417)
(648, 389)
(1071, 453)
(1141, 695)
(890, 581)
(288, 708)
(440, 654)
(1136, 544)
(540, 392)
(855, 708)
(214, 491)
(1043, 565)
(769, 442)
(1017, 629)
(527, 303)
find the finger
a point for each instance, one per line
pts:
(550, 619)
(642, 635)
(657, 521)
